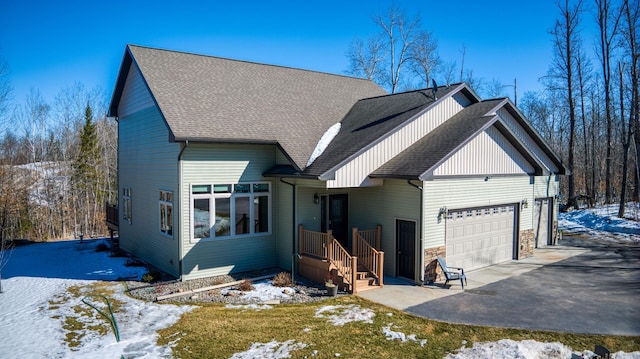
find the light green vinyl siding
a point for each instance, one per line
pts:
(383, 205)
(284, 225)
(226, 164)
(548, 187)
(472, 192)
(148, 163)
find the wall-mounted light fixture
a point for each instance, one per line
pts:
(524, 203)
(442, 213)
(316, 198)
(487, 178)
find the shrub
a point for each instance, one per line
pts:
(151, 276)
(282, 279)
(102, 247)
(245, 285)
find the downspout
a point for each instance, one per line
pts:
(294, 229)
(184, 147)
(421, 230)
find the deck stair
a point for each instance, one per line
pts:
(321, 255)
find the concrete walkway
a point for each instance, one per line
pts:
(578, 286)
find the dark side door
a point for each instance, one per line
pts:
(406, 248)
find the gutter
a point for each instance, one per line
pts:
(421, 230)
(180, 252)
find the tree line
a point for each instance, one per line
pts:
(588, 109)
(58, 160)
(57, 164)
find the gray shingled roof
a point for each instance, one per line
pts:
(211, 99)
(372, 119)
(439, 144)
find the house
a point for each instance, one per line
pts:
(227, 166)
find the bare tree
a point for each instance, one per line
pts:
(631, 15)
(366, 58)
(390, 49)
(424, 56)
(566, 41)
(608, 21)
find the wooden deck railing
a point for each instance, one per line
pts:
(323, 245)
(112, 215)
(370, 257)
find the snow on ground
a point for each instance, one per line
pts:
(340, 315)
(36, 301)
(271, 350)
(603, 222)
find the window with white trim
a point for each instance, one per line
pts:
(126, 204)
(166, 212)
(230, 210)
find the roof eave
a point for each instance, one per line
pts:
(461, 87)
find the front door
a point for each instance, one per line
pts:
(406, 245)
(337, 219)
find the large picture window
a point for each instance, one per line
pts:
(230, 210)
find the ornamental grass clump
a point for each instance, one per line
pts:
(282, 279)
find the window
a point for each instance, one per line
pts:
(126, 204)
(230, 210)
(166, 212)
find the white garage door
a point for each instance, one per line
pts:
(479, 237)
(541, 222)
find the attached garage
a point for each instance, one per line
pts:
(541, 222)
(479, 237)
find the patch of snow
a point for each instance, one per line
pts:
(601, 222)
(508, 349)
(270, 350)
(37, 279)
(324, 142)
(527, 349)
(392, 335)
(340, 315)
(265, 291)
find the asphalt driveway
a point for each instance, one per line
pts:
(596, 290)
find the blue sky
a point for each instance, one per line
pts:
(49, 45)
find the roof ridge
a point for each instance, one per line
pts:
(249, 62)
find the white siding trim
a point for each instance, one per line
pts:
(492, 153)
(355, 172)
(527, 140)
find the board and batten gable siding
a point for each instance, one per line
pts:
(147, 164)
(226, 164)
(458, 193)
(497, 156)
(396, 199)
(355, 172)
(135, 94)
(513, 125)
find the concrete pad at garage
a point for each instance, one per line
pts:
(580, 286)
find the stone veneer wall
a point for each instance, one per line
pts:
(432, 271)
(526, 243)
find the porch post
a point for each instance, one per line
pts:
(354, 274)
(378, 236)
(354, 245)
(300, 232)
(380, 268)
(329, 244)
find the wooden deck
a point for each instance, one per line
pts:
(323, 256)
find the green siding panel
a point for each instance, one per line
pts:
(147, 163)
(226, 163)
